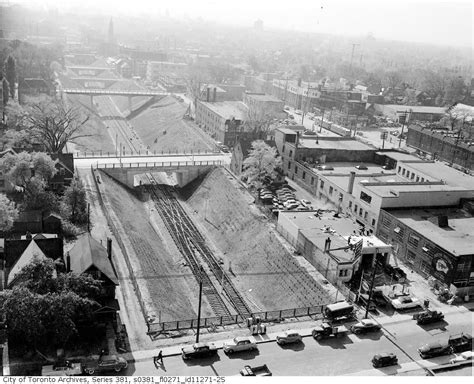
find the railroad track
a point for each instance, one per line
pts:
(193, 247)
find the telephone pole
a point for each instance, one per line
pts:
(199, 306)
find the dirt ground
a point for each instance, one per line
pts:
(266, 273)
(166, 285)
(161, 127)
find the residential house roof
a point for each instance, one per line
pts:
(29, 254)
(88, 252)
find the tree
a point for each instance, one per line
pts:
(8, 213)
(74, 203)
(55, 123)
(31, 172)
(260, 167)
(5, 91)
(45, 306)
(455, 91)
(10, 74)
(393, 79)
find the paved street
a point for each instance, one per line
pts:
(350, 355)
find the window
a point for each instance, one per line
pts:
(350, 204)
(411, 257)
(408, 174)
(283, 149)
(399, 168)
(330, 191)
(312, 181)
(291, 152)
(321, 184)
(304, 174)
(296, 169)
(403, 172)
(62, 172)
(343, 272)
(417, 179)
(422, 179)
(289, 165)
(361, 211)
(412, 176)
(413, 240)
(365, 215)
(386, 221)
(2, 183)
(355, 208)
(340, 197)
(373, 222)
(365, 197)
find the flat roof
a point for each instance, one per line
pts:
(263, 97)
(333, 143)
(441, 171)
(342, 181)
(348, 167)
(228, 109)
(400, 156)
(386, 190)
(416, 108)
(457, 238)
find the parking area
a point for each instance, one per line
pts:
(283, 198)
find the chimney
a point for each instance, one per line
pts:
(28, 235)
(208, 91)
(350, 187)
(68, 262)
(214, 95)
(109, 248)
(327, 244)
(443, 221)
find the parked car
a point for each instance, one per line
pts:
(65, 368)
(325, 168)
(384, 360)
(366, 326)
(361, 167)
(363, 300)
(405, 302)
(306, 203)
(110, 363)
(326, 330)
(465, 356)
(427, 317)
(288, 337)
(395, 272)
(198, 350)
(292, 206)
(261, 370)
(338, 310)
(434, 349)
(239, 344)
(461, 342)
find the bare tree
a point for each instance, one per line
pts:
(55, 123)
(259, 120)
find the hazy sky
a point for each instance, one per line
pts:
(432, 21)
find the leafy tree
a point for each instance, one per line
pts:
(55, 124)
(31, 171)
(8, 213)
(45, 307)
(74, 203)
(10, 74)
(455, 91)
(260, 167)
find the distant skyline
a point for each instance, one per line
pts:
(427, 21)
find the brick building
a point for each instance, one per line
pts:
(436, 242)
(442, 144)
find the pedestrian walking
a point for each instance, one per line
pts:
(160, 357)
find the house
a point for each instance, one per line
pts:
(89, 256)
(37, 222)
(32, 252)
(65, 171)
(51, 222)
(34, 87)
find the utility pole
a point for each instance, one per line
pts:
(199, 306)
(403, 126)
(371, 283)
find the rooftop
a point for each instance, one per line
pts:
(457, 238)
(400, 156)
(263, 97)
(332, 143)
(394, 190)
(416, 108)
(342, 181)
(441, 171)
(228, 109)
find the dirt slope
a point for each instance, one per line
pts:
(260, 262)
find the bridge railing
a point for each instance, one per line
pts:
(139, 153)
(90, 91)
(268, 316)
(160, 164)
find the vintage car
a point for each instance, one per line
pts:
(288, 337)
(384, 360)
(436, 348)
(104, 364)
(261, 370)
(405, 302)
(465, 356)
(427, 317)
(65, 368)
(198, 350)
(239, 344)
(365, 326)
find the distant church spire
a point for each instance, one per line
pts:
(111, 37)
